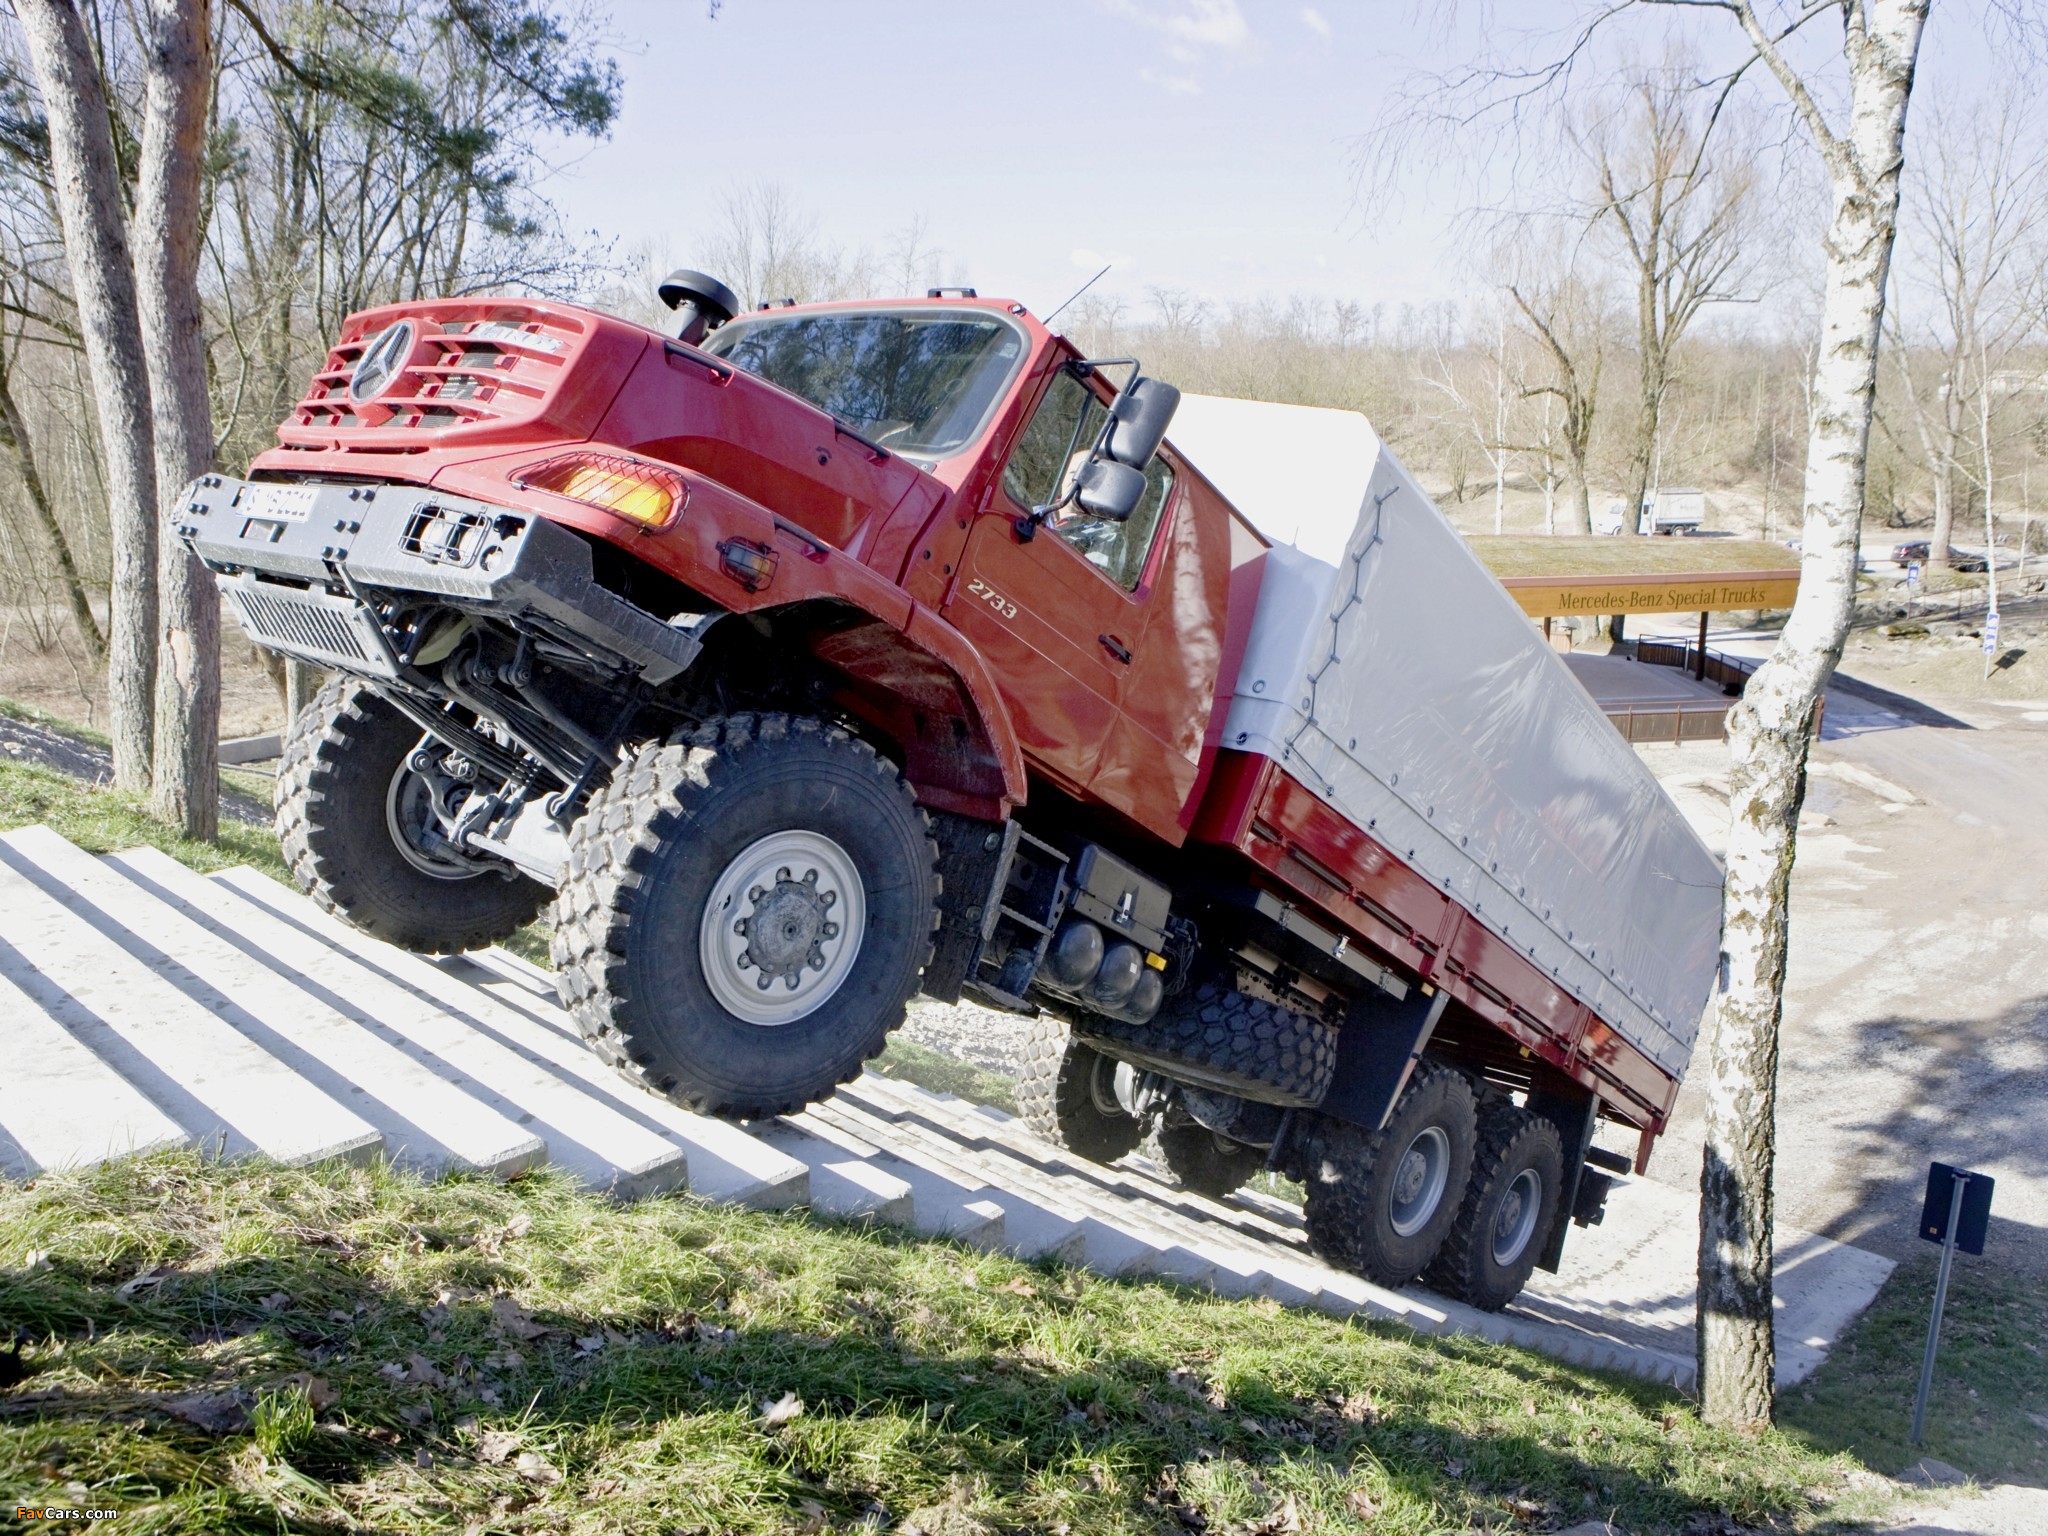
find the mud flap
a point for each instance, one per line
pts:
(1377, 1049)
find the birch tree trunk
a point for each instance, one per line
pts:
(1772, 727)
(14, 428)
(185, 790)
(89, 207)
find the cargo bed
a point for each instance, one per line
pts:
(1402, 749)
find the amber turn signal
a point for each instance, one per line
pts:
(632, 488)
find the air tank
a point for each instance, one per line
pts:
(1122, 969)
(1075, 954)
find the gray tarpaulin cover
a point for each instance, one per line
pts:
(1405, 687)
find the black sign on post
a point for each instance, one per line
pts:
(1957, 1212)
(1972, 1219)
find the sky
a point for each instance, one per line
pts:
(1204, 145)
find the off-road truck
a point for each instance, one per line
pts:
(819, 654)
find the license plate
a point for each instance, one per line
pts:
(294, 503)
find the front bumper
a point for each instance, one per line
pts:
(279, 549)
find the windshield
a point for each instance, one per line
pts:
(918, 382)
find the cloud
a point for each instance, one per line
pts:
(1189, 29)
(1317, 23)
(1173, 85)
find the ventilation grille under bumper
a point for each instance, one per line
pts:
(330, 632)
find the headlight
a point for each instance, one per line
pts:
(632, 488)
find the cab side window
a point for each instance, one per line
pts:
(1042, 468)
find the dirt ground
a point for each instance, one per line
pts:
(1916, 1003)
(54, 676)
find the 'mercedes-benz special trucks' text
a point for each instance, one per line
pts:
(822, 654)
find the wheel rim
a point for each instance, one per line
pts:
(414, 808)
(782, 928)
(1515, 1222)
(1419, 1179)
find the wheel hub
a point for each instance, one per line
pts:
(421, 808)
(782, 927)
(1417, 1187)
(787, 929)
(1515, 1222)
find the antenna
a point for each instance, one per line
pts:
(1047, 322)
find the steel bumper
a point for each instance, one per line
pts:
(281, 549)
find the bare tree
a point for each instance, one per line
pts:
(1771, 730)
(1973, 270)
(169, 221)
(1678, 202)
(1562, 314)
(87, 184)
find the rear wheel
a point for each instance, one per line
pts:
(362, 809)
(1066, 1093)
(744, 916)
(1517, 1180)
(1205, 1162)
(1380, 1202)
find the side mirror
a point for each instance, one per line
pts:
(1138, 419)
(702, 304)
(1110, 490)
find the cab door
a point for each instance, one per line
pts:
(1069, 612)
(1048, 623)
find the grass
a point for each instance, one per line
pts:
(28, 714)
(1988, 1412)
(102, 820)
(219, 1348)
(940, 1073)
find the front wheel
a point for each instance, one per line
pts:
(744, 915)
(362, 816)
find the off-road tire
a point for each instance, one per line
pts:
(1056, 1094)
(339, 760)
(1349, 1173)
(643, 861)
(1205, 1162)
(1219, 1038)
(1511, 1141)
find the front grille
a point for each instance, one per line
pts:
(329, 631)
(476, 363)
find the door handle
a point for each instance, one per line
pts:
(1116, 648)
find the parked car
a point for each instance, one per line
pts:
(1913, 549)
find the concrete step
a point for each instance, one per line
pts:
(845, 1184)
(1243, 1231)
(426, 1120)
(941, 1206)
(66, 1108)
(724, 1162)
(604, 1150)
(125, 1001)
(142, 1004)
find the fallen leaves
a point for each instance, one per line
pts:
(1284, 1518)
(536, 1468)
(1361, 1504)
(495, 1446)
(317, 1391)
(508, 1317)
(147, 1280)
(218, 1413)
(779, 1412)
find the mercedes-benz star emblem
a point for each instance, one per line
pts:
(381, 361)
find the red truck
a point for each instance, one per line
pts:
(821, 654)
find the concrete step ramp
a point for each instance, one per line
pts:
(143, 1005)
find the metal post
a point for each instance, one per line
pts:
(1700, 671)
(1948, 1258)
